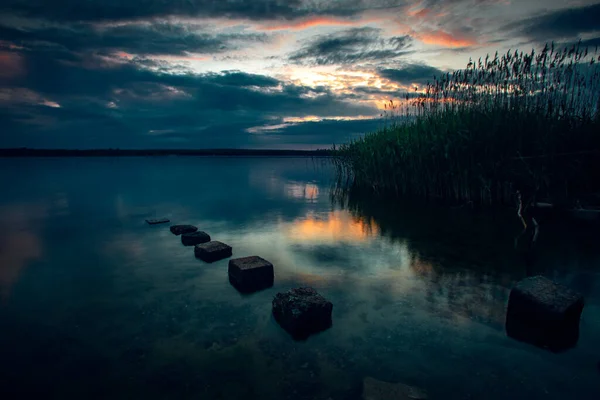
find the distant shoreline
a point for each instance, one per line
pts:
(24, 152)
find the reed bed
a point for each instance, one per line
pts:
(527, 122)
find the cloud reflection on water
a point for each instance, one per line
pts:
(19, 243)
(405, 289)
(16, 251)
(306, 191)
(329, 250)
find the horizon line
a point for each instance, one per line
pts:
(26, 151)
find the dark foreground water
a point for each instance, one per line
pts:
(94, 303)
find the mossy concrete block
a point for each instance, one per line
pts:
(212, 251)
(194, 238)
(544, 313)
(302, 312)
(181, 229)
(250, 274)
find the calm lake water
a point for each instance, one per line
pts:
(94, 303)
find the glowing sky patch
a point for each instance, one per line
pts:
(445, 39)
(307, 23)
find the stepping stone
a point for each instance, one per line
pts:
(544, 313)
(212, 251)
(250, 274)
(157, 221)
(194, 238)
(374, 389)
(302, 311)
(181, 229)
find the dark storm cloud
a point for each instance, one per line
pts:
(105, 10)
(98, 10)
(359, 92)
(67, 82)
(126, 104)
(411, 73)
(61, 74)
(565, 23)
(151, 38)
(242, 79)
(351, 46)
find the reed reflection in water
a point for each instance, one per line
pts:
(97, 304)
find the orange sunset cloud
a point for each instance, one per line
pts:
(445, 39)
(309, 23)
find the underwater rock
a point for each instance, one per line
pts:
(302, 311)
(544, 313)
(181, 229)
(212, 251)
(250, 274)
(374, 389)
(194, 238)
(157, 221)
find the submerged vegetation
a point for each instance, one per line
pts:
(523, 122)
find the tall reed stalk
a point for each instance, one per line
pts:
(521, 121)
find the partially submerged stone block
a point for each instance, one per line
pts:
(212, 251)
(544, 313)
(157, 221)
(374, 389)
(194, 238)
(302, 311)
(249, 274)
(181, 229)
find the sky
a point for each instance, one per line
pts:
(278, 74)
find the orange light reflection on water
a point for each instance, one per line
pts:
(332, 227)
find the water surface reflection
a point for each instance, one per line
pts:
(97, 304)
